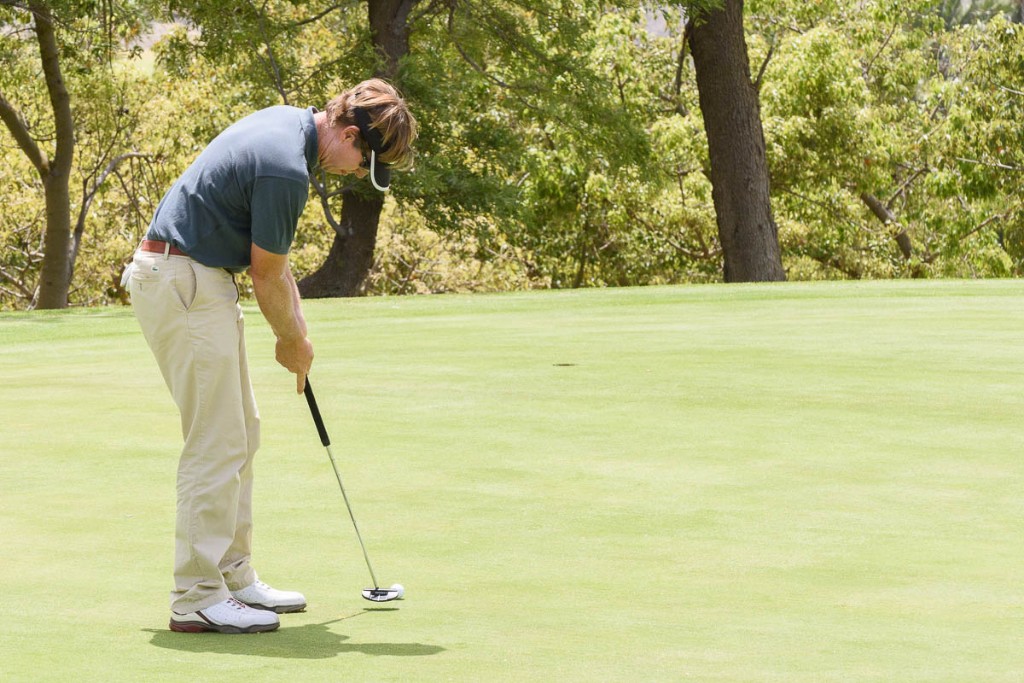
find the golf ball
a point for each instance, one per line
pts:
(400, 588)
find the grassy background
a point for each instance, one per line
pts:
(805, 482)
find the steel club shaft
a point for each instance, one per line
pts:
(326, 441)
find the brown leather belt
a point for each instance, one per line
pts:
(158, 247)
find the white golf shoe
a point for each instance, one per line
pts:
(261, 596)
(230, 616)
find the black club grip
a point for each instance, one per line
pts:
(315, 412)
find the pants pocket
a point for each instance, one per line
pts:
(185, 284)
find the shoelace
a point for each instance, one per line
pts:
(236, 605)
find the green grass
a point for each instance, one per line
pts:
(805, 482)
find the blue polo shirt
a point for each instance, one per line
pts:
(249, 186)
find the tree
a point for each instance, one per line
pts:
(54, 169)
(567, 94)
(562, 144)
(889, 137)
(56, 26)
(732, 119)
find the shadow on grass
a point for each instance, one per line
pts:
(312, 641)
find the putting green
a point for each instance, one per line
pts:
(799, 482)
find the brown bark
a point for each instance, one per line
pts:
(739, 171)
(389, 26)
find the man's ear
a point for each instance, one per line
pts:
(350, 133)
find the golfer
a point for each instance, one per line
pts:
(237, 207)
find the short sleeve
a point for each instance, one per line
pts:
(276, 205)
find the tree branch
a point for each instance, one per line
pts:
(481, 70)
(315, 18)
(871, 63)
(88, 195)
(996, 164)
(19, 129)
(466, 58)
(817, 202)
(988, 221)
(60, 99)
(886, 216)
(132, 195)
(764, 67)
(687, 30)
(24, 291)
(775, 21)
(903, 187)
(313, 73)
(434, 7)
(325, 204)
(275, 71)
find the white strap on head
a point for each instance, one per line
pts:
(373, 176)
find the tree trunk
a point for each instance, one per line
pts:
(55, 276)
(739, 171)
(351, 256)
(389, 26)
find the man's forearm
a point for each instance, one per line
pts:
(297, 301)
(278, 297)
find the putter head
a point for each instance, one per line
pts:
(381, 594)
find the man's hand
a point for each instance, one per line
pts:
(296, 355)
(278, 297)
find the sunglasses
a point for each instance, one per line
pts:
(365, 163)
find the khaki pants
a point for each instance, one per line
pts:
(190, 316)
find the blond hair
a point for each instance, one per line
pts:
(389, 113)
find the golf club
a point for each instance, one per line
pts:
(375, 594)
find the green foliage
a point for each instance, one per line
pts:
(962, 12)
(814, 109)
(412, 259)
(561, 143)
(878, 99)
(105, 99)
(598, 190)
(469, 145)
